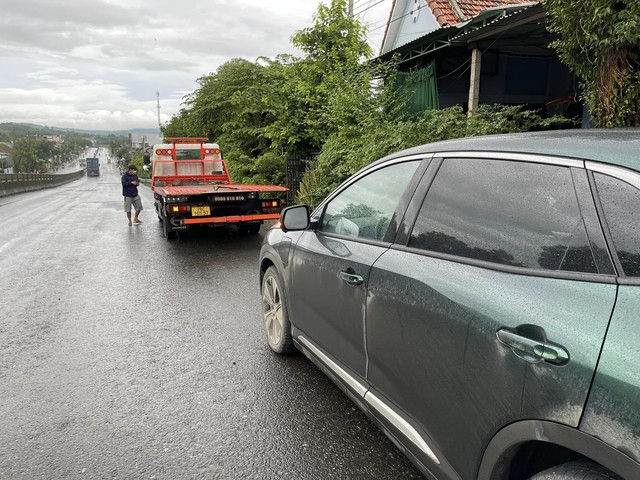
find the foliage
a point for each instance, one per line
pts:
(335, 46)
(333, 101)
(349, 149)
(261, 112)
(600, 41)
(232, 108)
(134, 158)
(31, 155)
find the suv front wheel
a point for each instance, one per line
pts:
(274, 313)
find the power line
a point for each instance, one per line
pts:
(399, 18)
(368, 8)
(362, 3)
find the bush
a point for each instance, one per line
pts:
(349, 150)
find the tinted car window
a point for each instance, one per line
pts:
(621, 204)
(510, 213)
(365, 208)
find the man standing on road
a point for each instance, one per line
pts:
(130, 184)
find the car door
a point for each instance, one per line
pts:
(331, 264)
(492, 306)
(612, 410)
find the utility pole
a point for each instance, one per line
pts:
(474, 84)
(159, 123)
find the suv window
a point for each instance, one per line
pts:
(621, 204)
(510, 213)
(364, 209)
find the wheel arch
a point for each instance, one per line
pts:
(265, 263)
(504, 449)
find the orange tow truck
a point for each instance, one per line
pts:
(192, 188)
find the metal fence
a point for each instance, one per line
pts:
(13, 183)
(295, 167)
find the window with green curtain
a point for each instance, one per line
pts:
(421, 87)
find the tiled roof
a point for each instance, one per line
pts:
(451, 12)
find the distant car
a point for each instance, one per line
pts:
(479, 299)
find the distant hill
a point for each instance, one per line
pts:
(20, 129)
(134, 131)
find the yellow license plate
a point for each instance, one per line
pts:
(200, 211)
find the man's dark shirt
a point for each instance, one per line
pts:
(129, 190)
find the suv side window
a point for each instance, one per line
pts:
(621, 205)
(505, 212)
(364, 209)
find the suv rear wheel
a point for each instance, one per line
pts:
(577, 470)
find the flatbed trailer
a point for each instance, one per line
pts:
(192, 188)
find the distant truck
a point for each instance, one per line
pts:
(93, 167)
(192, 188)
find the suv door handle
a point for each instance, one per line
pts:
(529, 342)
(351, 278)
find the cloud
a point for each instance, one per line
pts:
(99, 63)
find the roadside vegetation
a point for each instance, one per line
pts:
(600, 42)
(34, 155)
(334, 101)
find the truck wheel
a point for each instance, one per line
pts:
(274, 313)
(250, 228)
(576, 470)
(158, 208)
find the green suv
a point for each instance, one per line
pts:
(479, 299)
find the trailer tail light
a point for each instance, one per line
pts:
(164, 151)
(212, 151)
(270, 204)
(177, 208)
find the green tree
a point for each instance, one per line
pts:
(31, 155)
(335, 45)
(600, 41)
(231, 108)
(379, 132)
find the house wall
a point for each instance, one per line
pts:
(405, 29)
(505, 79)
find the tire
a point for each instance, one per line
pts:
(274, 313)
(158, 207)
(251, 228)
(576, 470)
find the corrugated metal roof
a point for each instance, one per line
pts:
(449, 13)
(485, 22)
(472, 8)
(452, 12)
(531, 9)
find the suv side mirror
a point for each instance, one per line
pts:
(294, 218)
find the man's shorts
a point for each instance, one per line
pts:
(135, 201)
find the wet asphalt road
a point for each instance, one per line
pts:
(126, 356)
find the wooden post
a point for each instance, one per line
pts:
(474, 87)
(351, 8)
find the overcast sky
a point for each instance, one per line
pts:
(97, 64)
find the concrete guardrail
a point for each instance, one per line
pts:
(11, 184)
